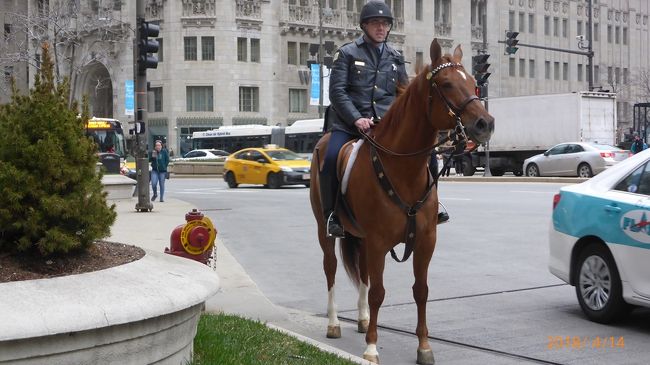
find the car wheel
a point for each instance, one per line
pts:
(274, 180)
(598, 285)
(584, 170)
(518, 172)
(230, 179)
(532, 170)
(308, 184)
(497, 172)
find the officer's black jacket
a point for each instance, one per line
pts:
(362, 84)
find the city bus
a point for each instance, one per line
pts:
(300, 137)
(108, 135)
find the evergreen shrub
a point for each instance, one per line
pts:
(51, 197)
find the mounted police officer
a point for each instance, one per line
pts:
(363, 83)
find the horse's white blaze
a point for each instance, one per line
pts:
(462, 74)
(331, 309)
(362, 303)
(371, 350)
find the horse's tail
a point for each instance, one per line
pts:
(350, 251)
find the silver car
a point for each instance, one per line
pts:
(583, 159)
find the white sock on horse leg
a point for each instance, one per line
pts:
(371, 350)
(331, 309)
(362, 303)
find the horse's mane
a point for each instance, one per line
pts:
(417, 89)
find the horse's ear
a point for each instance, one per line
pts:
(458, 53)
(435, 51)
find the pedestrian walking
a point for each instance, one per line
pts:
(159, 159)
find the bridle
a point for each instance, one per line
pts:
(457, 136)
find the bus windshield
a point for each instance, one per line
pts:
(107, 135)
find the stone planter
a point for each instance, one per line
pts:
(143, 312)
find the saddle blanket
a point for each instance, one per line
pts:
(353, 156)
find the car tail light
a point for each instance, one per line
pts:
(556, 200)
(607, 154)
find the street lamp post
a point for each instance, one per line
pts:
(320, 58)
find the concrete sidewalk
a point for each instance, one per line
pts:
(238, 293)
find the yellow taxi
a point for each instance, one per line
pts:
(271, 166)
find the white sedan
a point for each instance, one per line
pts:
(204, 154)
(599, 239)
(583, 159)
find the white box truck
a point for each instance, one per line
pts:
(529, 125)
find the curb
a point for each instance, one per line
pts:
(321, 346)
(515, 179)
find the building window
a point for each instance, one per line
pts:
(547, 25)
(511, 21)
(596, 32)
(255, 50)
(531, 23)
(609, 34)
(580, 77)
(522, 22)
(556, 27)
(624, 35)
(297, 101)
(304, 53)
(565, 71)
(199, 99)
(610, 76)
(626, 76)
(249, 99)
(157, 100)
(556, 70)
(160, 49)
(190, 48)
(511, 67)
(617, 38)
(522, 67)
(242, 49)
(292, 53)
(207, 48)
(596, 75)
(565, 26)
(531, 69)
(442, 12)
(419, 59)
(547, 70)
(579, 28)
(418, 9)
(617, 75)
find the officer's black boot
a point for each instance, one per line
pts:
(328, 197)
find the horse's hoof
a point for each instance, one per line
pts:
(425, 357)
(371, 358)
(333, 331)
(362, 326)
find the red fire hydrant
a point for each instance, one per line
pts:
(194, 239)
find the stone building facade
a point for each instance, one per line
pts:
(226, 62)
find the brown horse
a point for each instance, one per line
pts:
(441, 97)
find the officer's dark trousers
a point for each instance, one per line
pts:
(329, 183)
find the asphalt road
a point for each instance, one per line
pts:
(491, 297)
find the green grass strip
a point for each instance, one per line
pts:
(232, 340)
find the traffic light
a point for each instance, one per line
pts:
(147, 47)
(480, 68)
(511, 42)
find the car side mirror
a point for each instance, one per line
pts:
(261, 160)
(546, 153)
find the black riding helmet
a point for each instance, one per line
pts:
(375, 9)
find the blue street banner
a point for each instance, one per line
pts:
(315, 84)
(129, 97)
